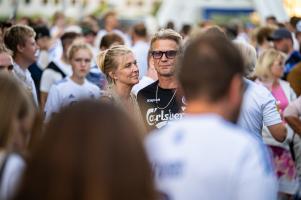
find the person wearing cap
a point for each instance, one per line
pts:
(283, 41)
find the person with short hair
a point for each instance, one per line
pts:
(205, 155)
(161, 101)
(259, 106)
(74, 88)
(20, 39)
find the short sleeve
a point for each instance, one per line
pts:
(48, 78)
(294, 108)
(271, 115)
(53, 102)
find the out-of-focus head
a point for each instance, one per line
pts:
(15, 109)
(109, 40)
(20, 39)
(283, 40)
(88, 152)
(140, 30)
(42, 36)
(111, 20)
(68, 38)
(165, 47)
(6, 60)
(118, 59)
(270, 61)
(211, 69)
(249, 55)
(271, 20)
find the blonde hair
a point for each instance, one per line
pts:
(265, 62)
(14, 103)
(17, 35)
(108, 60)
(76, 46)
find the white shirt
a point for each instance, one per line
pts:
(66, 92)
(206, 157)
(140, 50)
(24, 76)
(50, 76)
(11, 176)
(258, 109)
(145, 81)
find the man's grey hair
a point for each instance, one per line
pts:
(249, 55)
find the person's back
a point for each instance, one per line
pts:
(204, 157)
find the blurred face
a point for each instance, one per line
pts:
(6, 63)
(282, 45)
(127, 72)
(80, 62)
(29, 50)
(277, 68)
(43, 43)
(164, 57)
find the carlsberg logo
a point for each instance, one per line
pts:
(159, 118)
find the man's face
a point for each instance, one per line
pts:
(6, 63)
(29, 49)
(282, 45)
(165, 66)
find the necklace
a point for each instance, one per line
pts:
(174, 94)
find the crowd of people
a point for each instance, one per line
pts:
(208, 112)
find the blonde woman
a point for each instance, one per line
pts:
(76, 87)
(269, 70)
(120, 67)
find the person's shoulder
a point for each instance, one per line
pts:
(149, 88)
(61, 82)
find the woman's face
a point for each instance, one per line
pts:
(80, 62)
(127, 72)
(277, 68)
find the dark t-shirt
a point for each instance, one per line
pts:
(157, 112)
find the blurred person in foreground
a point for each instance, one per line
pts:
(17, 117)
(20, 39)
(204, 155)
(75, 87)
(91, 151)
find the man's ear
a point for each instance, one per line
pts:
(20, 48)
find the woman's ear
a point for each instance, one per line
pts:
(112, 75)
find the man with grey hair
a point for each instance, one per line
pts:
(159, 101)
(259, 106)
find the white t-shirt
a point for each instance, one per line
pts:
(66, 92)
(140, 50)
(50, 76)
(11, 176)
(206, 157)
(258, 109)
(145, 81)
(24, 76)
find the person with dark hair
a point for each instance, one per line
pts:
(20, 39)
(57, 69)
(161, 101)
(140, 47)
(271, 20)
(109, 40)
(263, 37)
(91, 151)
(204, 155)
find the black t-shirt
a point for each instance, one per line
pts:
(157, 112)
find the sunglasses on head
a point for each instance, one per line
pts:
(168, 54)
(9, 67)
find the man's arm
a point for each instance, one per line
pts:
(278, 131)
